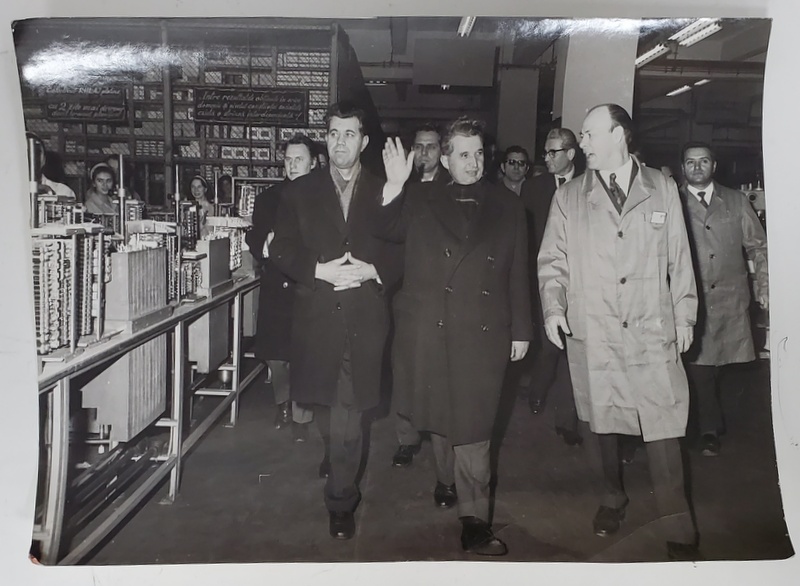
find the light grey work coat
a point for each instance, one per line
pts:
(624, 282)
(720, 236)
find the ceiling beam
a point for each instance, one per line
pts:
(399, 31)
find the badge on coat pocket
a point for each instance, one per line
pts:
(658, 217)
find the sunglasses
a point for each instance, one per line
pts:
(515, 163)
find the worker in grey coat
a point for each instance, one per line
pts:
(615, 276)
(723, 228)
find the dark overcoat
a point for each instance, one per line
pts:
(536, 195)
(275, 298)
(311, 228)
(464, 299)
(721, 235)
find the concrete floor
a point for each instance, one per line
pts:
(250, 494)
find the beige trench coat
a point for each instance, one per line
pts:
(624, 282)
(720, 235)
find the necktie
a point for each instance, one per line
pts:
(616, 191)
(561, 181)
(702, 196)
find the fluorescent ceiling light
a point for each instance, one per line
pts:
(702, 82)
(465, 27)
(679, 91)
(653, 53)
(692, 28)
(700, 35)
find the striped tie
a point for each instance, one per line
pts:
(702, 196)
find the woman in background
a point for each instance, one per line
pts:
(100, 196)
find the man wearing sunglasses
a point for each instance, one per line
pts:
(549, 370)
(514, 168)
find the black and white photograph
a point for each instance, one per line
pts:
(318, 290)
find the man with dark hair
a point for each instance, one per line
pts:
(550, 371)
(462, 313)
(324, 241)
(615, 276)
(722, 226)
(514, 167)
(427, 167)
(276, 294)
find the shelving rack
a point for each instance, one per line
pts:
(158, 129)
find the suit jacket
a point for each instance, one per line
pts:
(464, 299)
(720, 236)
(624, 282)
(311, 228)
(276, 295)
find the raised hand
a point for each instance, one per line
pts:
(398, 167)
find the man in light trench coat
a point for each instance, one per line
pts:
(721, 224)
(615, 276)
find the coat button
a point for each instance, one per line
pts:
(484, 328)
(449, 289)
(447, 252)
(485, 293)
(619, 234)
(623, 280)
(285, 285)
(338, 306)
(708, 227)
(490, 258)
(347, 242)
(624, 324)
(712, 256)
(713, 286)
(440, 324)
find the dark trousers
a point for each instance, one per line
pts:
(550, 378)
(407, 434)
(468, 467)
(340, 427)
(666, 475)
(703, 385)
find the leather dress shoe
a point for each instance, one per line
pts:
(709, 445)
(607, 520)
(477, 538)
(284, 415)
(571, 438)
(445, 495)
(683, 552)
(404, 455)
(342, 525)
(536, 405)
(300, 432)
(324, 468)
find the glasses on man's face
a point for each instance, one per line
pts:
(516, 163)
(552, 152)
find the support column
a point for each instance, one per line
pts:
(516, 107)
(594, 67)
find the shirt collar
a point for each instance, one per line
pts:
(567, 176)
(623, 175)
(708, 190)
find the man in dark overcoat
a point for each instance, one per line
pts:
(324, 240)
(427, 167)
(549, 369)
(276, 293)
(463, 311)
(723, 231)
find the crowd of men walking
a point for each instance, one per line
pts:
(617, 281)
